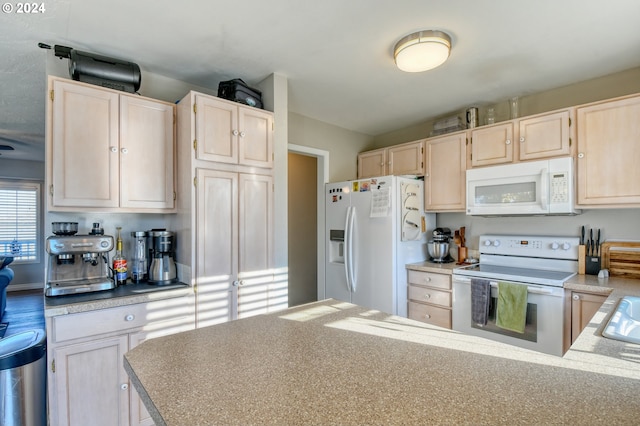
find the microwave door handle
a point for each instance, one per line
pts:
(544, 190)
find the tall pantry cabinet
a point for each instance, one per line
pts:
(224, 223)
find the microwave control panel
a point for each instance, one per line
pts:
(560, 187)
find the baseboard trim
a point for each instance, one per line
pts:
(24, 287)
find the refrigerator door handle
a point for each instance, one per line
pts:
(351, 269)
(347, 254)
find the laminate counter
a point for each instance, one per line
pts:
(332, 362)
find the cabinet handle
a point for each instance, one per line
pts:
(124, 151)
(427, 296)
(124, 386)
(427, 316)
(427, 279)
(581, 155)
(242, 134)
(241, 283)
(522, 139)
(236, 283)
(129, 317)
(508, 142)
(114, 149)
(575, 297)
(381, 164)
(235, 133)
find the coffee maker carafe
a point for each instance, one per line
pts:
(162, 266)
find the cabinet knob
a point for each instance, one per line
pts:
(427, 316)
(242, 134)
(235, 133)
(129, 317)
(236, 283)
(508, 142)
(124, 151)
(124, 386)
(581, 155)
(114, 149)
(575, 297)
(427, 296)
(427, 279)
(241, 283)
(521, 138)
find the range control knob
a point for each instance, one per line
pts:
(496, 243)
(566, 246)
(487, 243)
(555, 246)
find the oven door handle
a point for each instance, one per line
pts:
(552, 291)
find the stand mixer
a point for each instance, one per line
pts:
(438, 247)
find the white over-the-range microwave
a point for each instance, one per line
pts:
(544, 187)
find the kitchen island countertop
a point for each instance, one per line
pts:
(332, 362)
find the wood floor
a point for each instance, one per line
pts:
(25, 311)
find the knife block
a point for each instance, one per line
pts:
(582, 254)
(592, 265)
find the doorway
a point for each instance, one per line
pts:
(306, 174)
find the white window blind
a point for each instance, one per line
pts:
(19, 212)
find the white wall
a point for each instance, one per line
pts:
(344, 145)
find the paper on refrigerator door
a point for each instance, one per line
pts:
(380, 201)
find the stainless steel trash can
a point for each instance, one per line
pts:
(23, 379)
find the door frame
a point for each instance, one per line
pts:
(322, 157)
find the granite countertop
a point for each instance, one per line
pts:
(332, 362)
(128, 294)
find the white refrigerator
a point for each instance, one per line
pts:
(374, 227)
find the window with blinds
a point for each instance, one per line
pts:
(19, 213)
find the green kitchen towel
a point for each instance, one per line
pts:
(511, 312)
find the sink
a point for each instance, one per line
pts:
(624, 324)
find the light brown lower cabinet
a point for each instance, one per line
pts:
(583, 307)
(430, 297)
(87, 383)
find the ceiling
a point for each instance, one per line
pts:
(336, 55)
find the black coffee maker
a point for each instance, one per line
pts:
(161, 261)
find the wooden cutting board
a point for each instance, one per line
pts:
(621, 258)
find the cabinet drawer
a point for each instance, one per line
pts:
(85, 324)
(429, 279)
(429, 295)
(430, 314)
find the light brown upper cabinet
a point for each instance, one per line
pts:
(534, 137)
(545, 135)
(492, 144)
(608, 149)
(402, 159)
(109, 151)
(227, 132)
(445, 174)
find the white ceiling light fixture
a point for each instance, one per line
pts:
(422, 51)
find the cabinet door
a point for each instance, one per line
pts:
(216, 246)
(88, 392)
(609, 154)
(255, 140)
(545, 136)
(84, 146)
(406, 159)
(255, 261)
(445, 174)
(583, 308)
(372, 163)
(216, 130)
(492, 145)
(147, 147)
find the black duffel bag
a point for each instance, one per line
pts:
(237, 90)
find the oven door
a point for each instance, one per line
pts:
(544, 324)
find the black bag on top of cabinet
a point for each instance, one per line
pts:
(237, 90)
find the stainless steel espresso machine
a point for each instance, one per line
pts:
(78, 263)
